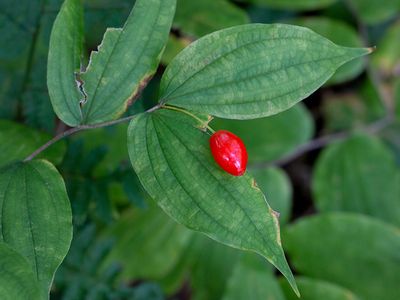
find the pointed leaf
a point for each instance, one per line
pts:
(65, 51)
(357, 252)
(126, 60)
(252, 71)
(17, 281)
(340, 33)
(172, 158)
(36, 216)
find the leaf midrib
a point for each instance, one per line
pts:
(184, 189)
(261, 74)
(217, 59)
(265, 243)
(108, 61)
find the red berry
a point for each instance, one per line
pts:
(229, 152)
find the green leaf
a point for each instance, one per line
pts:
(276, 136)
(126, 60)
(375, 11)
(355, 251)
(252, 71)
(252, 282)
(65, 51)
(275, 184)
(17, 23)
(346, 111)
(211, 265)
(172, 159)
(294, 4)
(197, 18)
(397, 98)
(341, 34)
(17, 281)
(26, 140)
(113, 139)
(387, 58)
(36, 217)
(148, 244)
(314, 289)
(173, 47)
(358, 175)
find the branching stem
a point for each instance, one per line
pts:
(189, 114)
(71, 131)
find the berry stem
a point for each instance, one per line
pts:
(205, 124)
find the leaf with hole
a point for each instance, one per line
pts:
(126, 59)
(171, 156)
(64, 61)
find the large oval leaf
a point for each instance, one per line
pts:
(127, 58)
(65, 51)
(36, 216)
(355, 251)
(18, 141)
(314, 289)
(17, 281)
(172, 158)
(252, 71)
(359, 175)
(275, 137)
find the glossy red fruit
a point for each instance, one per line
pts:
(229, 152)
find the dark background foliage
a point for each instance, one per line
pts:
(338, 151)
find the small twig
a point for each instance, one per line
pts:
(322, 142)
(82, 128)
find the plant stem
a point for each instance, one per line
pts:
(189, 114)
(73, 130)
(323, 141)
